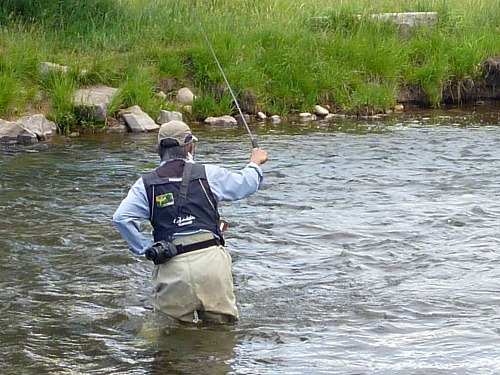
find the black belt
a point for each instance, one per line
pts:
(181, 249)
(163, 251)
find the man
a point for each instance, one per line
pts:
(192, 279)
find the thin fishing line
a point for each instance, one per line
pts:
(254, 142)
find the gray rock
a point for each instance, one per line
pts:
(261, 116)
(275, 119)
(412, 19)
(185, 96)
(320, 111)
(46, 67)
(166, 116)
(332, 116)
(13, 132)
(242, 120)
(138, 121)
(162, 95)
(408, 21)
(94, 101)
(223, 120)
(306, 116)
(399, 108)
(40, 125)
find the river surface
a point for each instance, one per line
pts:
(372, 248)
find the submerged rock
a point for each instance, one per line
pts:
(306, 116)
(275, 119)
(223, 120)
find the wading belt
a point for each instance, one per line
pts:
(197, 246)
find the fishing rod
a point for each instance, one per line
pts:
(254, 142)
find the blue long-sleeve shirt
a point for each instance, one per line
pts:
(226, 185)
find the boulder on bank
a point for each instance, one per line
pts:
(320, 111)
(47, 67)
(185, 96)
(405, 22)
(94, 101)
(261, 116)
(40, 125)
(408, 21)
(13, 132)
(166, 116)
(138, 121)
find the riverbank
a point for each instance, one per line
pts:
(280, 57)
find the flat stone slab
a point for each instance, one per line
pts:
(409, 20)
(138, 121)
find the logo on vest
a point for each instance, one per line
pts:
(182, 221)
(164, 200)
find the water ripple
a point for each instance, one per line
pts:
(370, 250)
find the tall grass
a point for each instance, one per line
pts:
(60, 89)
(138, 89)
(280, 56)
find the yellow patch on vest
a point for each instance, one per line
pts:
(164, 200)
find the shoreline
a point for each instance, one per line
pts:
(487, 113)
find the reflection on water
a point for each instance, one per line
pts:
(190, 349)
(372, 249)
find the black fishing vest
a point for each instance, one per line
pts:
(167, 216)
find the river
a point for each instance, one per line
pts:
(372, 248)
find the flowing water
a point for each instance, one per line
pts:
(372, 248)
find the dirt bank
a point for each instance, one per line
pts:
(463, 92)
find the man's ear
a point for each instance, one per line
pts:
(158, 150)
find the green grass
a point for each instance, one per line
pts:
(138, 89)
(60, 89)
(280, 56)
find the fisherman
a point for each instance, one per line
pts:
(192, 278)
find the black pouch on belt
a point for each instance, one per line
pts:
(161, 252)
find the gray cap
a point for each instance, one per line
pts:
(176, 131)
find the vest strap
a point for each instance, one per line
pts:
(186, 176)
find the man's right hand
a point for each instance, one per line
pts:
(258, 156)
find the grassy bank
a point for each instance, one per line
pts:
(280, 56)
